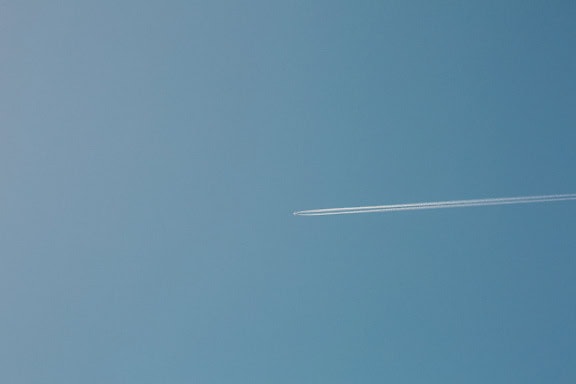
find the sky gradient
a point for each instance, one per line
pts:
(152, 154)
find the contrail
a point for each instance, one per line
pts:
(438, 205)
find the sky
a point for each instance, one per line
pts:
(152, 154)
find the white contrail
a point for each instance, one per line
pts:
(438, 204)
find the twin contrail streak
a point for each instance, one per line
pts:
(438, 205)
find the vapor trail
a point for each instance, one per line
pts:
(438, 205)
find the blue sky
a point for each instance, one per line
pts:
(152, 154)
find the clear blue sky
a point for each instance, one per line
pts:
(152, 154)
